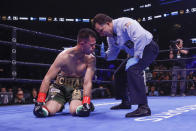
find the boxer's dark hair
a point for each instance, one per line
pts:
(101, 19)
(85, 33)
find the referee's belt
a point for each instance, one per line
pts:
(74, 82)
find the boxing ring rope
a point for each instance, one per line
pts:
(169, 80)
(191, 48)
(55, 50)
(39, 33)
(14, 62)
(36, 32)
(20, 80)
(28, 46)
(44, 65)
(115, 59)
(14, 44)
(175, 59)
(5, 62)
(175, 70)
(95, 81)
(40, 64)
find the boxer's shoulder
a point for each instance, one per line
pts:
(90, 58)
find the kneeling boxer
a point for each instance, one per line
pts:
(73, 69)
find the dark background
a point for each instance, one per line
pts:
(163, 29)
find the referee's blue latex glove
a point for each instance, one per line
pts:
(103, 54)
(102, 51)
(131, 62)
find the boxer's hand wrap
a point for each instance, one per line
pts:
(40, 110)
(84, 110)
(86, 99)
(41, 97)
(102, 51)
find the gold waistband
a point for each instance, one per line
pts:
(74, 82)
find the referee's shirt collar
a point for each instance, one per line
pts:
(114, 28)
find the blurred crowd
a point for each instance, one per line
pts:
(158, 83)
(16, 94)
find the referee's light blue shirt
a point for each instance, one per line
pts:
(130, 37)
